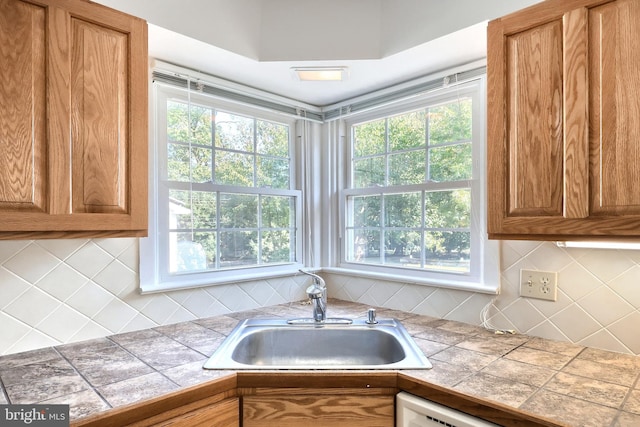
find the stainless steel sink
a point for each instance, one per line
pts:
(276, 344)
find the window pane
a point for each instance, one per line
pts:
(273, 173)
(179, 210)
(365, 245)
(192, 125)
(277, 212)
(448, 209)
(450, 163)
(369, 138)
(272, 139)
(177, 121)
(238, 248)
(407, 131)
(277, 247)
(238, 211)
(368, 172)
(234, 132)
(402, 247)
(448, 251)
(450, 122)
(366, 211)
(191, 251)
(407, 168)
(403, 210)
(178, 162)
(234, 168)
(186, 164)
(201, 169)
(203, 205)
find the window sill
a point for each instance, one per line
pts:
(151, 287)
(485, 288)
(229, 277)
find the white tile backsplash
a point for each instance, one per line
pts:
(598, 296)
(60, 291)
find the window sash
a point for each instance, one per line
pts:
(383, 228)
(482, 251)
(156, 275)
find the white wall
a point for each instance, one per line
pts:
(299, 30)
(408, 23)
(60, 291)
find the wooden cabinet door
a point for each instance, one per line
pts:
(23, 131)
(73, 120)
(563, 126)
(99, 111)
(534, 78)
(614, 81)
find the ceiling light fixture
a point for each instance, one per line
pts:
(320, 74)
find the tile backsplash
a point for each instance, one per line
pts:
(62, 291)
(598, 296)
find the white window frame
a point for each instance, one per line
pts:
(484, 271)
(154, 274)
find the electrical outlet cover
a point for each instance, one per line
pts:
(539, 284)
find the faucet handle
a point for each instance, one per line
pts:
(315, 292)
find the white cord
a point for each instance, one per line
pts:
(486, 323)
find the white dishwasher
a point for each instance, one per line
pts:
(412, 411)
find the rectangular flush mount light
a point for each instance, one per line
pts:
(600, 245)
(320, 74)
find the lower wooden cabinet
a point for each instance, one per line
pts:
(301, 399)
(213, 404)
(326, 408)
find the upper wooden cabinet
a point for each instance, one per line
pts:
(564, 121)
(73, 120)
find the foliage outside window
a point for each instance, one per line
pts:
(413, 196)
(226, 199)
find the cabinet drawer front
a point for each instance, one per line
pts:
(22, 107)
(100, 118)
(313, 410)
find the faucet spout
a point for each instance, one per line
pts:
(317, 292)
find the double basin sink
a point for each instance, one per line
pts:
(305, 344)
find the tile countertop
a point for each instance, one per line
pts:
(565, 382)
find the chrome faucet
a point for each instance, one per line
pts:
(317, 292)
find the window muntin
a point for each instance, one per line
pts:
(408, 204)
(225, 188)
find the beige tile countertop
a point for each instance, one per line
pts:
(574, 385)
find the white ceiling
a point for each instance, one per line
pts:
(257, 42)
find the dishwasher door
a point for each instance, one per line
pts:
(412, 411)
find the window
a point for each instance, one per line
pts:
(400, 198)
(413, 203)
(226, 206)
